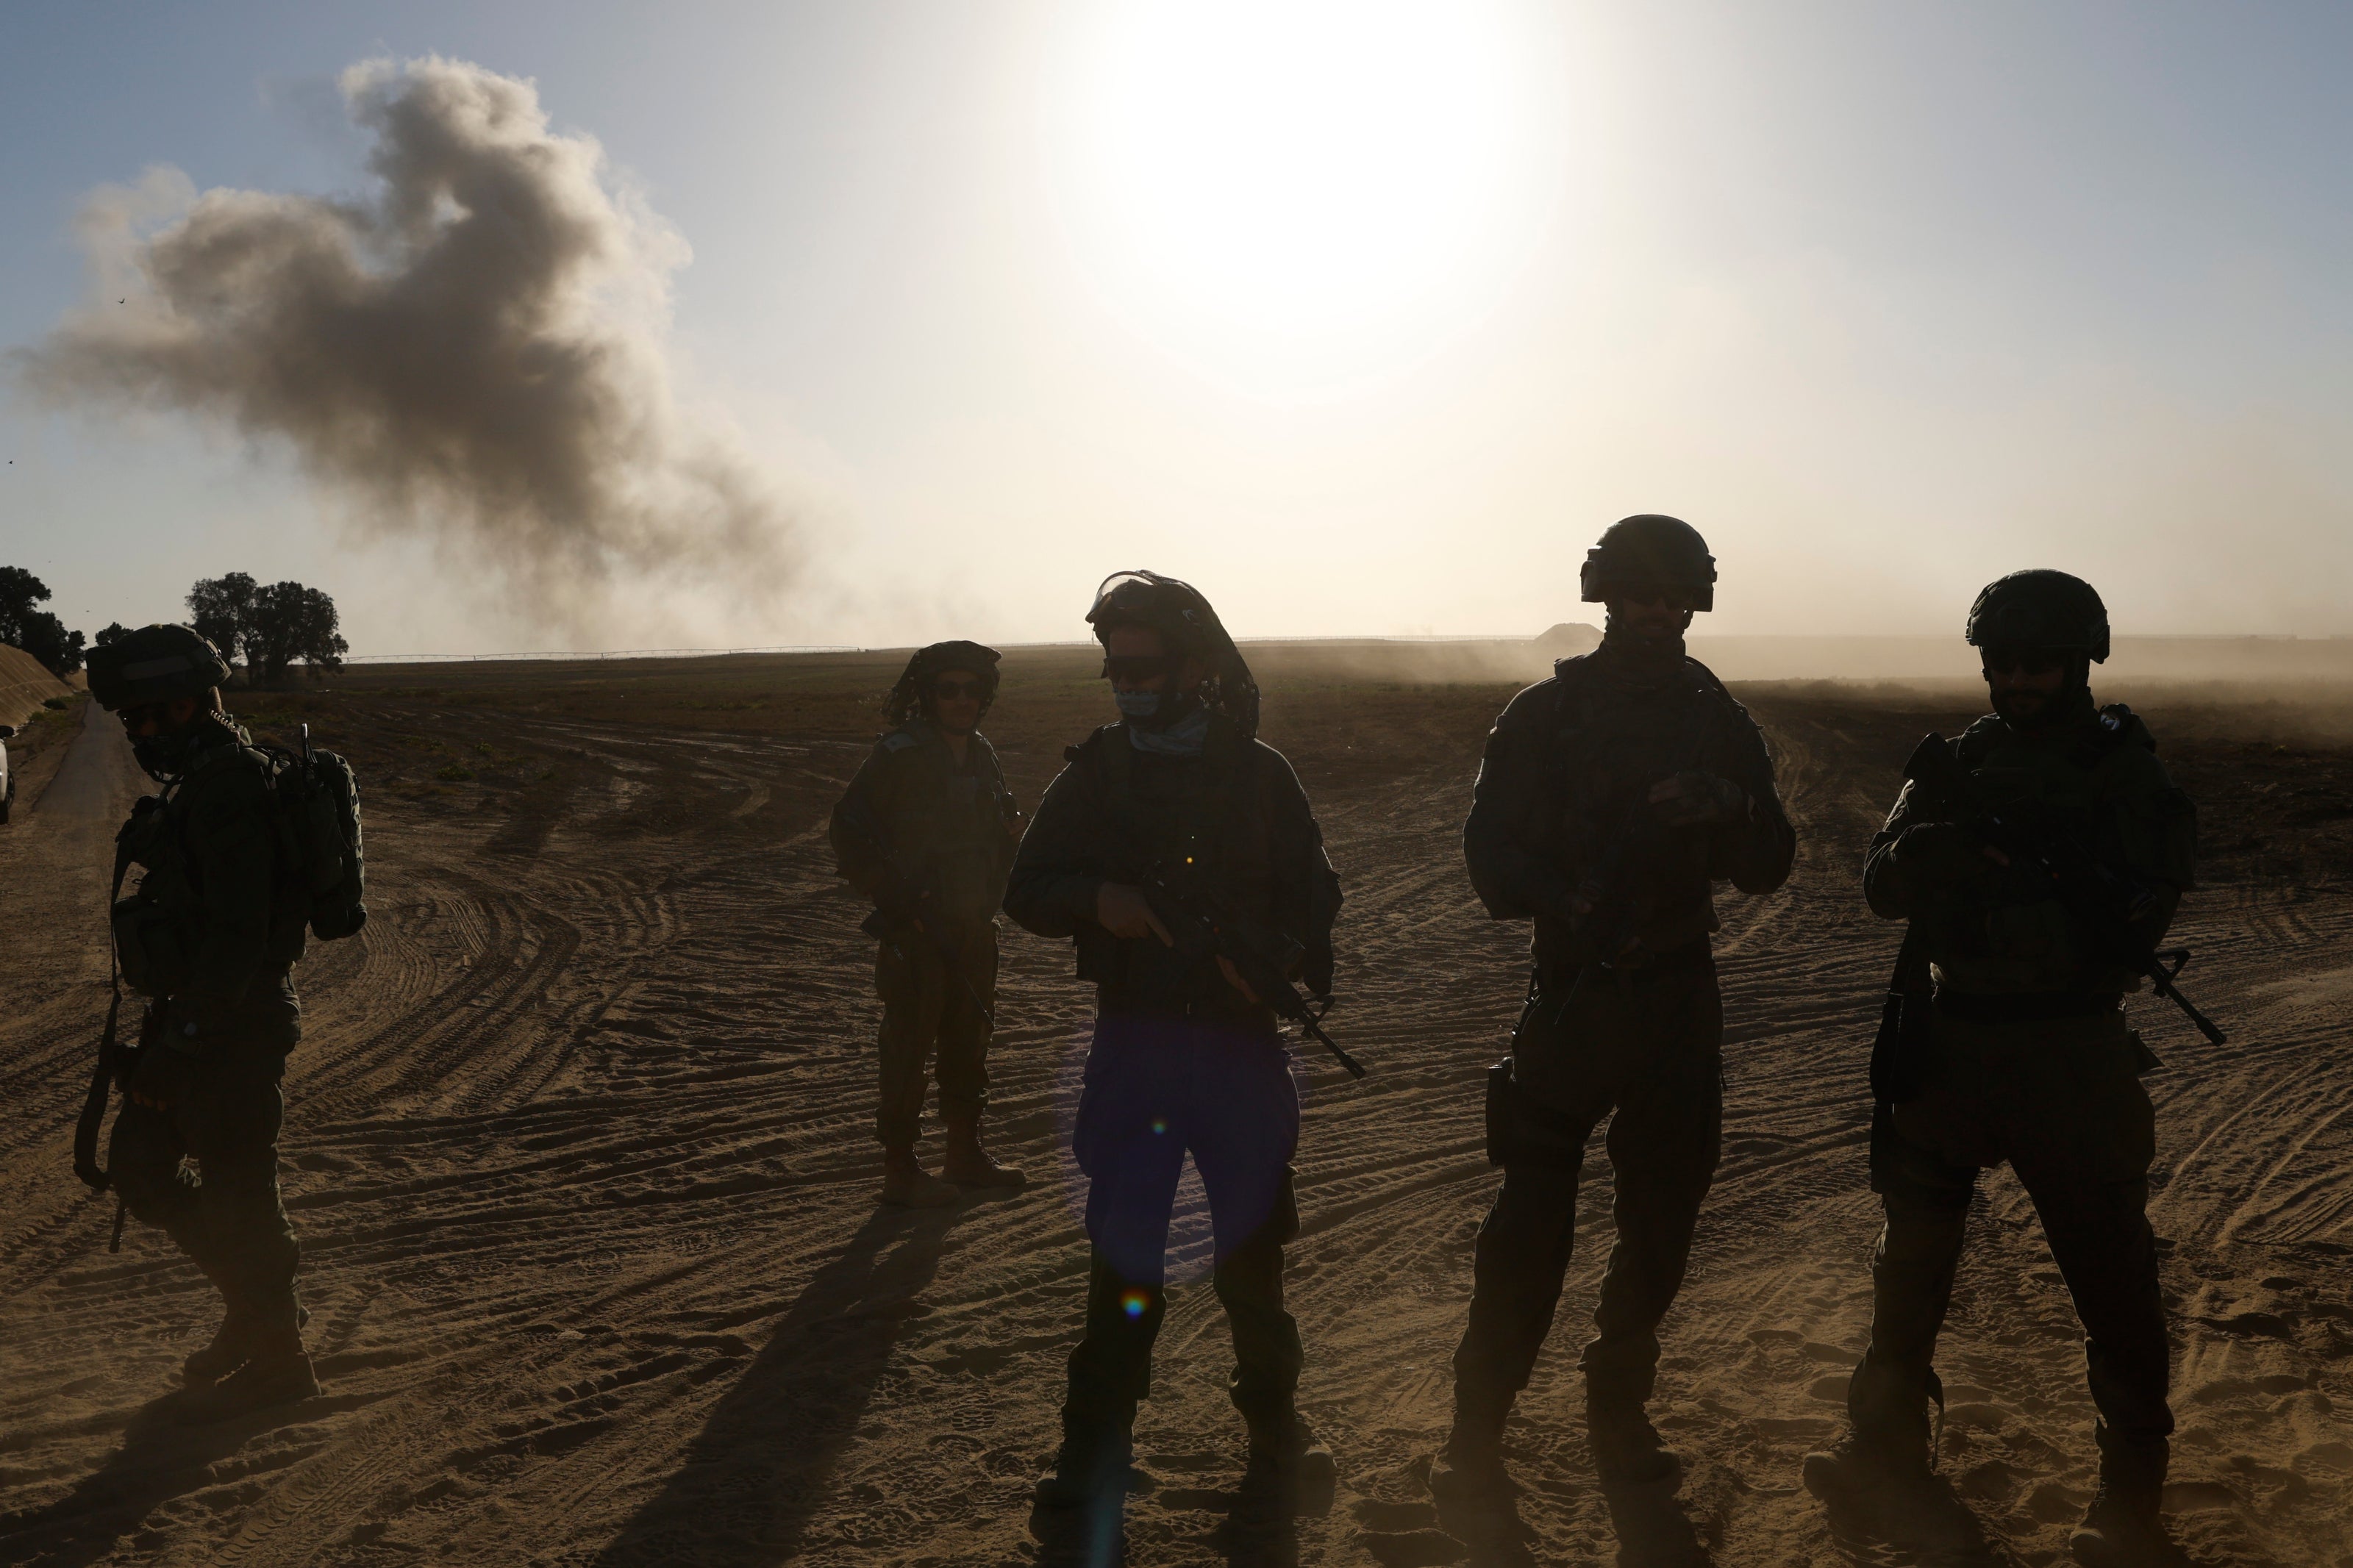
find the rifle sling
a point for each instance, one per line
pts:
(93, 1104)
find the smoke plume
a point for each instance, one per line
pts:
(473, 353)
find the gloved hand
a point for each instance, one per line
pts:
(1693, 799)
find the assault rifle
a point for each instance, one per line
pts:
(2103, 903)
(1205, 926)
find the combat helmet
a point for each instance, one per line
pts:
(1650, 551)
(154, 663)
(2040, 609)
(906, 698)
(1186, 622)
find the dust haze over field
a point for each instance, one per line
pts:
(579, 1141)
(474, 353)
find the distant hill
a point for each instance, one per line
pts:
(25, 685)
(1568, 640)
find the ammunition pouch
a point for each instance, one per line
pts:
(154, 946)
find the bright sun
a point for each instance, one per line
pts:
(1300, 186)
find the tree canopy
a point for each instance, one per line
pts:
(267, 628)
(39, 632)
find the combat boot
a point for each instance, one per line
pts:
(1469, 1472)
(968, 1164)
(1870, 1470)
(1077, 1512)
(1627, 1449)
(907, 1186)
(230, 1348)
(230, 1345)
(275, 1372)
(1288, 1470)
(2121, 1530)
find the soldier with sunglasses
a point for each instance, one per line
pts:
(926, 830)
(1611, 798)
(2025, 1055)
(1185, 1058)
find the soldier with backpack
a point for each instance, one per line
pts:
(243, 853)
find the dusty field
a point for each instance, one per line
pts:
(579, 1146)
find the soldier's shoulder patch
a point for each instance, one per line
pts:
(898, 741)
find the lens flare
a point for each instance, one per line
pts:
(1134, 1303)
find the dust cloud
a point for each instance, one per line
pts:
(475, 354)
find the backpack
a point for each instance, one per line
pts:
(319, 829)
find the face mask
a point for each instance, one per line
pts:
(1139, 707)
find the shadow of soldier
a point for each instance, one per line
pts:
(163, 1457)
(755, 1474)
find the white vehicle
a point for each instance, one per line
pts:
(7, 779)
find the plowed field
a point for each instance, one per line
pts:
(579, 1144)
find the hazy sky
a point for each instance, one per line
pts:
(1365, 318)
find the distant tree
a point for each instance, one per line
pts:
(115, 632)
(222, 611)
(289, 622)
(24, 623)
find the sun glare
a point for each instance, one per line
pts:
(1300, 186)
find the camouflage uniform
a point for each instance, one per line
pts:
(2029, 1060)
(1623, 1011)
(929, 839)
(211, 933)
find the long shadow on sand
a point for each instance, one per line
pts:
(755, 1474)
(162, 1459)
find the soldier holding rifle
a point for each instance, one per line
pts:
(1611, 797)
(2039, 859)
(926, 830)
(1169, 836)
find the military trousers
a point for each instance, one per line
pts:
(932, 1024)
(223, 1112)
(2061, 1100)
(1644, 1048)
(1154, 1090)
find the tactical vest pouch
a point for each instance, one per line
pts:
(151, 945)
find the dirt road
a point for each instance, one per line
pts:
(580, 1149)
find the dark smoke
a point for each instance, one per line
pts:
(473, 353)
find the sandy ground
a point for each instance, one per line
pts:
(579, 1145)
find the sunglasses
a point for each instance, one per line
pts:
(1136, 667)
(2024, 661)
(956, 688)
(144, 714)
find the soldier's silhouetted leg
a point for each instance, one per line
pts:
(964, 1040)
(1663, 1144)
(2087, 1174)
(907, 980)
(1926, 1205)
